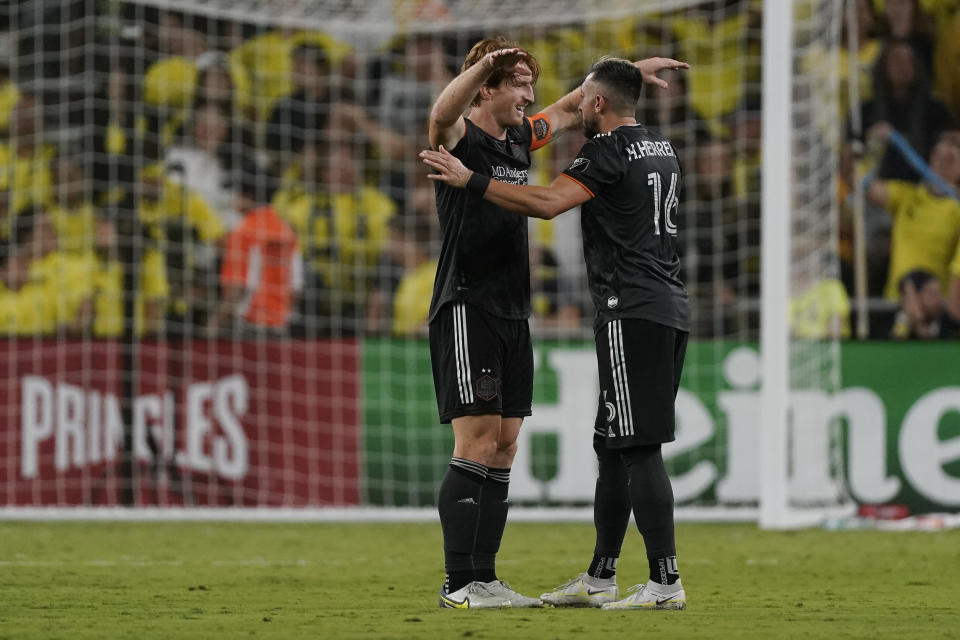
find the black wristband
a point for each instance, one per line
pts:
(478, 184)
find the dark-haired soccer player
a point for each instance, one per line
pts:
(479, 337)
(627, 178)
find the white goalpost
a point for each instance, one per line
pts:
(775, 257)
(799, 243)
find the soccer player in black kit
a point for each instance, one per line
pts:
(628, 180)
(480, 345)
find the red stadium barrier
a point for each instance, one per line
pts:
(218, 423)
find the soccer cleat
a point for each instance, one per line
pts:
(583, 591)
(652, 595)
(474, 595)
(517, 601)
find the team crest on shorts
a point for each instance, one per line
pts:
(486, 388)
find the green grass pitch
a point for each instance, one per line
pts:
(228, 580)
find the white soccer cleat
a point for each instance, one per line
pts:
(474, 595)
(583, 591)
(517, 601)
(652, 595)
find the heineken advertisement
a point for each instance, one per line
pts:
(897, 413)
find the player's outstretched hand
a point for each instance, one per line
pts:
(650, 67)
(448, 167)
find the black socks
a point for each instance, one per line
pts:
(663, 569)
(473, 514)
(459, 507)
(603, 567)
(493, 519)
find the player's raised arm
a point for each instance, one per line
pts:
(547, 203)
(446, 125)
(650, 67)
(564, 114)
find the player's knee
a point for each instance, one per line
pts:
(480, 449)
(641, 455)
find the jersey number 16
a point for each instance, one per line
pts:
(668, 205)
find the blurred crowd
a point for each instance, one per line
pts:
(175, 174)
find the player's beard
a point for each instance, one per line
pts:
(590, 128)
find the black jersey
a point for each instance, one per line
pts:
(629, 226)
(484, 259)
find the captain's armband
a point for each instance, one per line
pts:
(540, 129)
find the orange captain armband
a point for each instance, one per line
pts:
(540, 130)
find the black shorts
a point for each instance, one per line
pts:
(639, 363)
(482, 364)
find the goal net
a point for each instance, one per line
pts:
(219, 247)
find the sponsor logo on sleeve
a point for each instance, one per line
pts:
(580, 164)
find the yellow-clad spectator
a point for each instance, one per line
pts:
(165, 205)
(183, 226)
(724, 56)
(631, 35)
(409, 250)
(72, 213)
(569, 54)
(268, 62)
(177, 83)
(188, 71)
(108, 294)
(820, 311)
(61, 275)
(411, 306)
(25, 178)
(341, 222)
(66, 279)
(26, 311)
(926, 223)
(27, 306)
